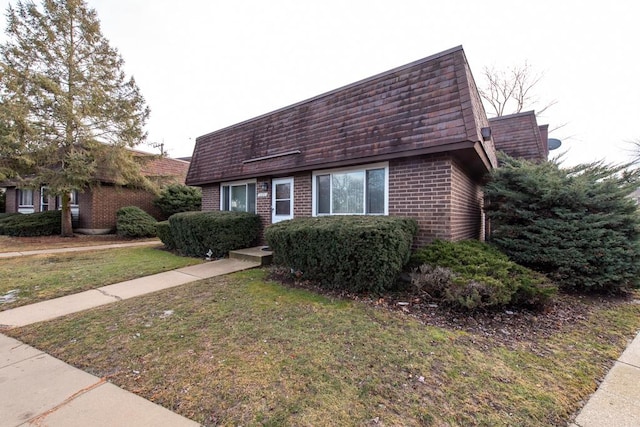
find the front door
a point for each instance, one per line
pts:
(281, 199)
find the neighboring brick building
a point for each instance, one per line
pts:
(414, 141)
(94, 210)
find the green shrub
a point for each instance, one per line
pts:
(4, 215)
(197, 233)
(36, 224)
(163, 231)
(472, 274)
(576, 225)
(133, 222)
(355, 253)
(176, 198)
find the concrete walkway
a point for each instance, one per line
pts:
(39, 390)
(617, 400)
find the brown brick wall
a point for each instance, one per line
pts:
(466, 207)
(436, 191)
(11, 200)
(421, 188)
(263, 207)
(107, 199)
(302, 205)
(211, 197)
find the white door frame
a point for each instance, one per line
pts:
(274, 214)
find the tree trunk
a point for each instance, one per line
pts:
(67, 225)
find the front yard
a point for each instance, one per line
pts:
(243, 350)
(29, 279)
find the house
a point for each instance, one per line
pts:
(413, 141)
(520, 136)
(94, 210)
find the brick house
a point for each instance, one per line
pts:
(94, 210)
(414, 141)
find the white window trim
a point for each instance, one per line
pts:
(233, 183)
(360, 168)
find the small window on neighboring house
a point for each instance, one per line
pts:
(25, 198)
(238, 197)
(73, 199)
(25, 201)
(351, 191)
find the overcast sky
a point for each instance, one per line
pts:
(204, 64)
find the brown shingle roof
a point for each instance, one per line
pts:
(166, 167)
(427, 106)
(519, 135)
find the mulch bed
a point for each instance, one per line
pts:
(505, 326)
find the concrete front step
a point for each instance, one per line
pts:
(259, 254)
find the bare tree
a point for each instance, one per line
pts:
(511, 91)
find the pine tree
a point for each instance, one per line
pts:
(578, 225)
(69, 110)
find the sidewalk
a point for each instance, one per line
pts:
(39, 390)
(79, 248)
(617, 400)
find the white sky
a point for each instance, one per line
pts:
(206, 64)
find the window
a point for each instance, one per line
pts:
(25, 198)
(238, 196)
(44, 199)
(73, 199)
(351, 191)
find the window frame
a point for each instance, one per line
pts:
(246, 183)
(351, 169)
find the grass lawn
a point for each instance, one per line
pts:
(241, 350)
(42, 277)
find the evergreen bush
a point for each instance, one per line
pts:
(176, 198)
(577, 225)
(355, 253)
(133, 222)
(472, 274)
(197, 233)
(28, 225)
(163, 231)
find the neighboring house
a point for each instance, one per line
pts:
(520, 136)
(414, 141)
(94, 210)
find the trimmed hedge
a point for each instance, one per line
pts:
(175, 198)
(131, 221)
(163, 230)
(472, 274)
(28, 225)
(195, 233)
(4, 215)
(355, 253)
